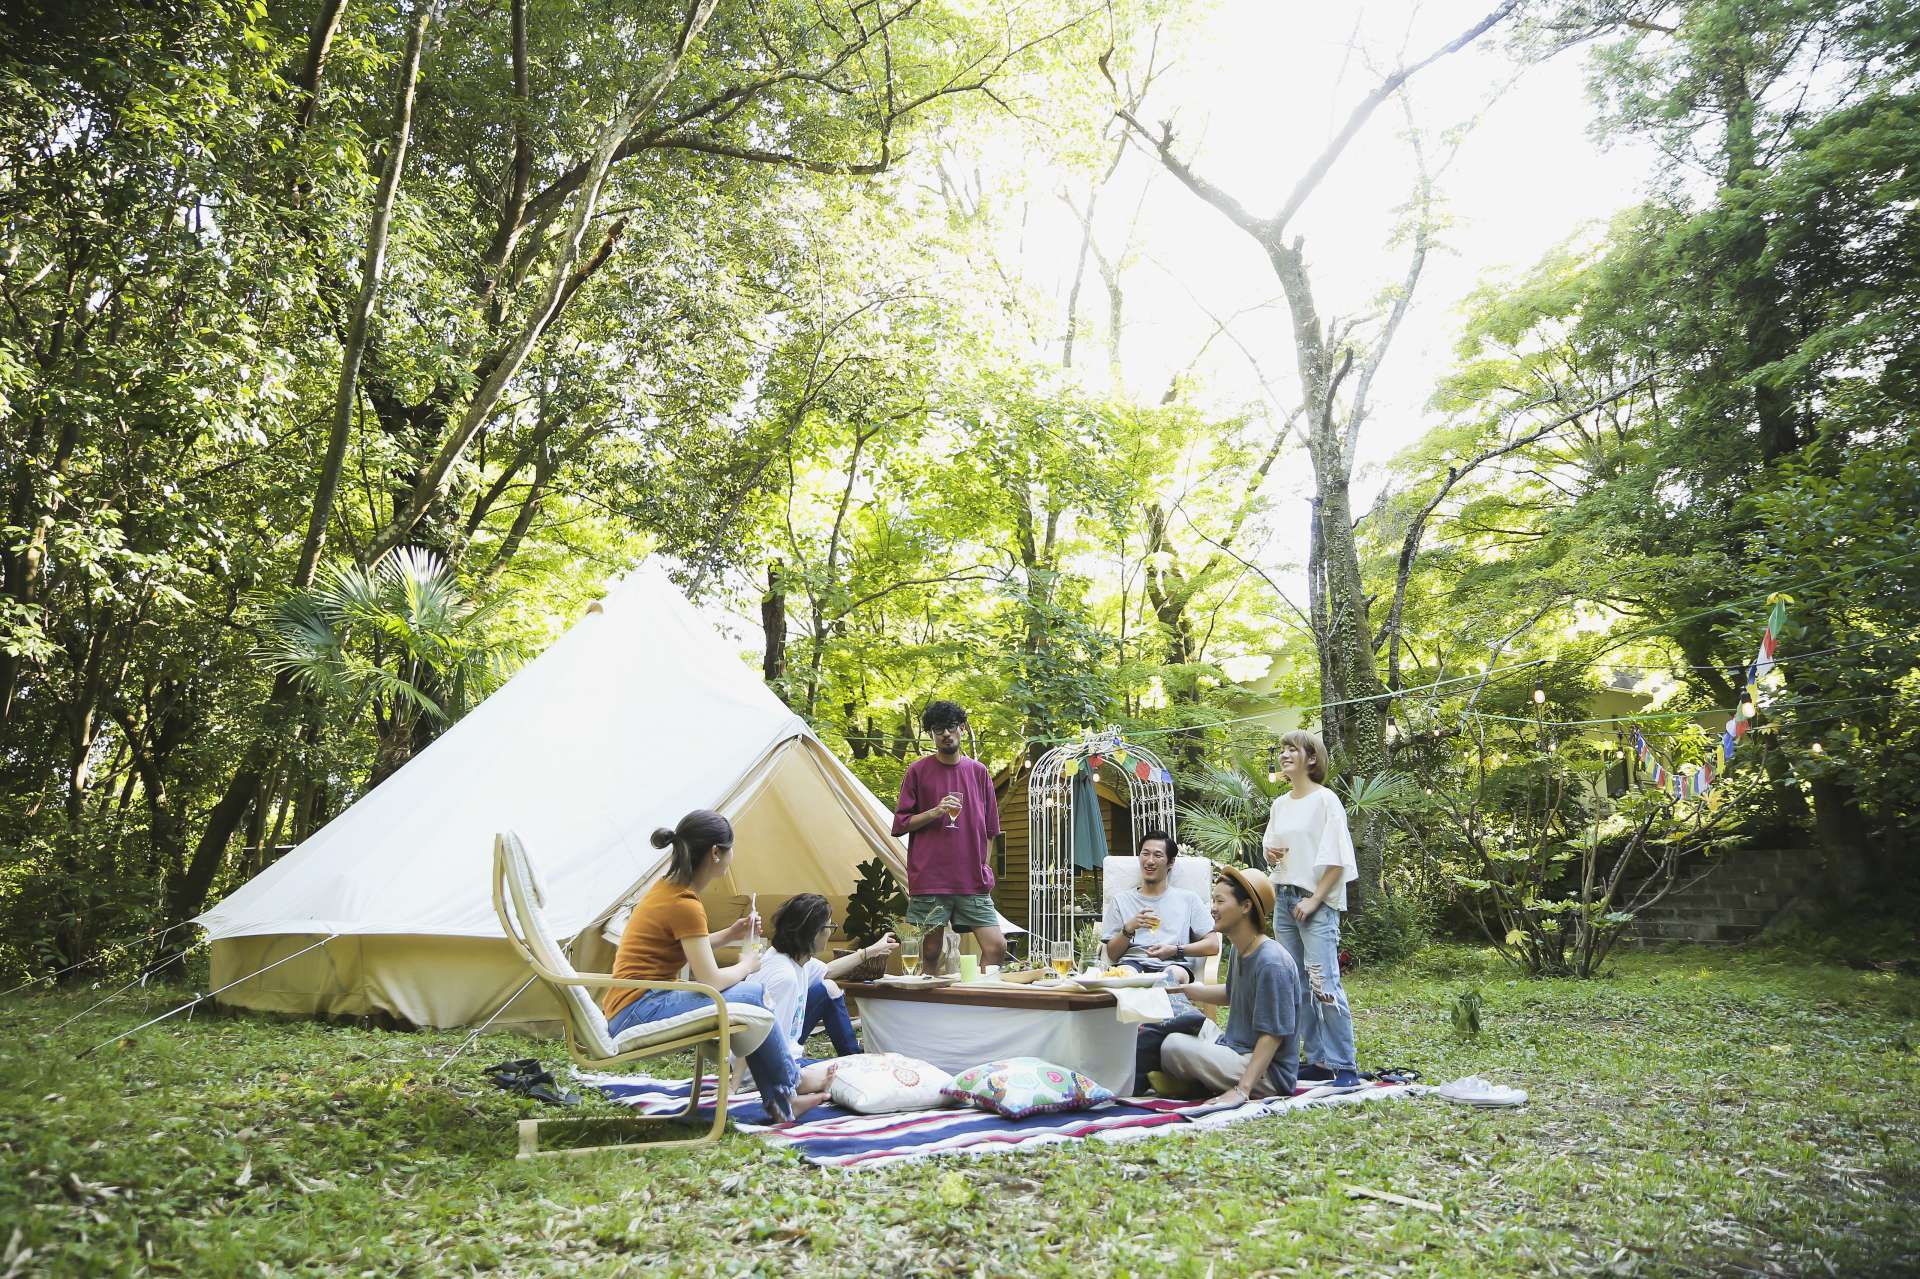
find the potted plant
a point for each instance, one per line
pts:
(878, 900)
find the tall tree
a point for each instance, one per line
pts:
(1351, 686)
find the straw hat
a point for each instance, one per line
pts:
(1258, 887)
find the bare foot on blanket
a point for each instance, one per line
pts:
(805, 1101)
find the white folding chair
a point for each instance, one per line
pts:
(1193, 873)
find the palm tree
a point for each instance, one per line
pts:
(398, 636)
(1228, 819)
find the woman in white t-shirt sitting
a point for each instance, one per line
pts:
(798, 986)
(1310, 859)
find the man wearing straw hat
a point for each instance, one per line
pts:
(1259, 1055)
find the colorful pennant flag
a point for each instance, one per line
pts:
(1697, 781)
(1769, 642)
(1142, 770)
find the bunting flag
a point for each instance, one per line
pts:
(1692, 783)
(1094, 762)
(1120, 755)
(1769, 642)
(1142, 770)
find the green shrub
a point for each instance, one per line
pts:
(1391, 928)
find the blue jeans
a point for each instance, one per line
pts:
(1326, 1035)
(831, 1010)
(771, 1063)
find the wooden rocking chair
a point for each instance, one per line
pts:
(738, 1028)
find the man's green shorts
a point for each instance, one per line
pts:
(965, 911)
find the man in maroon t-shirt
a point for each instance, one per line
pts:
(948, 811)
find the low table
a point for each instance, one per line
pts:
(962, 1025)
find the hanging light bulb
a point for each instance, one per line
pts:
(1552, 747)
(1539, 695)
(1818, 749)
(1747, 708)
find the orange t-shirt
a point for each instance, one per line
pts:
(650, 947)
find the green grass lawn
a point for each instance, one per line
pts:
(1699, 1111)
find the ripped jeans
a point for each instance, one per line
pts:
(1326, 1032)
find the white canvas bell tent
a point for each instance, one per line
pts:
(636, 715)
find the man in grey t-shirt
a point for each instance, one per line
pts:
(1259, 1055)
(1157, 926)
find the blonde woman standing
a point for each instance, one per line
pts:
(1310, 858)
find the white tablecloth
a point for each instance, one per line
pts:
(954, 1036)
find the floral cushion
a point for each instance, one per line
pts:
(1020, 1086)
(882, 1083)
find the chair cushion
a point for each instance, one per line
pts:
(749, 1025)
(582, 1013)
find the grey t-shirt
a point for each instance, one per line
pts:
(1183, 918)
(1263, 998)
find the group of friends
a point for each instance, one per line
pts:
(1288, 1020)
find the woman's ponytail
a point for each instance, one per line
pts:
(698, 834)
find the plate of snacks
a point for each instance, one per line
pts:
(1117, 978)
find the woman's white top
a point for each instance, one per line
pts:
(786, 984)
(1314, 833)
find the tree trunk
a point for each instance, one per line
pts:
(355, 347)
(773, 621)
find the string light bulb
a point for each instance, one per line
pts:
(1539, 695)
(1818, 749)
(1747, 710)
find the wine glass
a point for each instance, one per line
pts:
(1063, 958)
(957, 796)
(909, 935)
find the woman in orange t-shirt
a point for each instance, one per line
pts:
(668, 929)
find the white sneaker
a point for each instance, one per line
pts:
(1475, 1091)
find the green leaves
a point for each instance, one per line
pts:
(399, 635)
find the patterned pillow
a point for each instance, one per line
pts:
(881, 1083)
(1020, 1086)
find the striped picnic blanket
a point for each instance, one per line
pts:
(835, 1138)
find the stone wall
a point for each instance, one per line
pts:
(1736, 896)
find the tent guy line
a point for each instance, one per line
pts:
(197, 1000)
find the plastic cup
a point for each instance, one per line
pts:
(969, 967)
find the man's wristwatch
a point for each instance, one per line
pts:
(1180, 950)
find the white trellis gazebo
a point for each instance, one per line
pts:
(1108, 757)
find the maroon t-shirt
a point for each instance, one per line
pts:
(940, 860)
